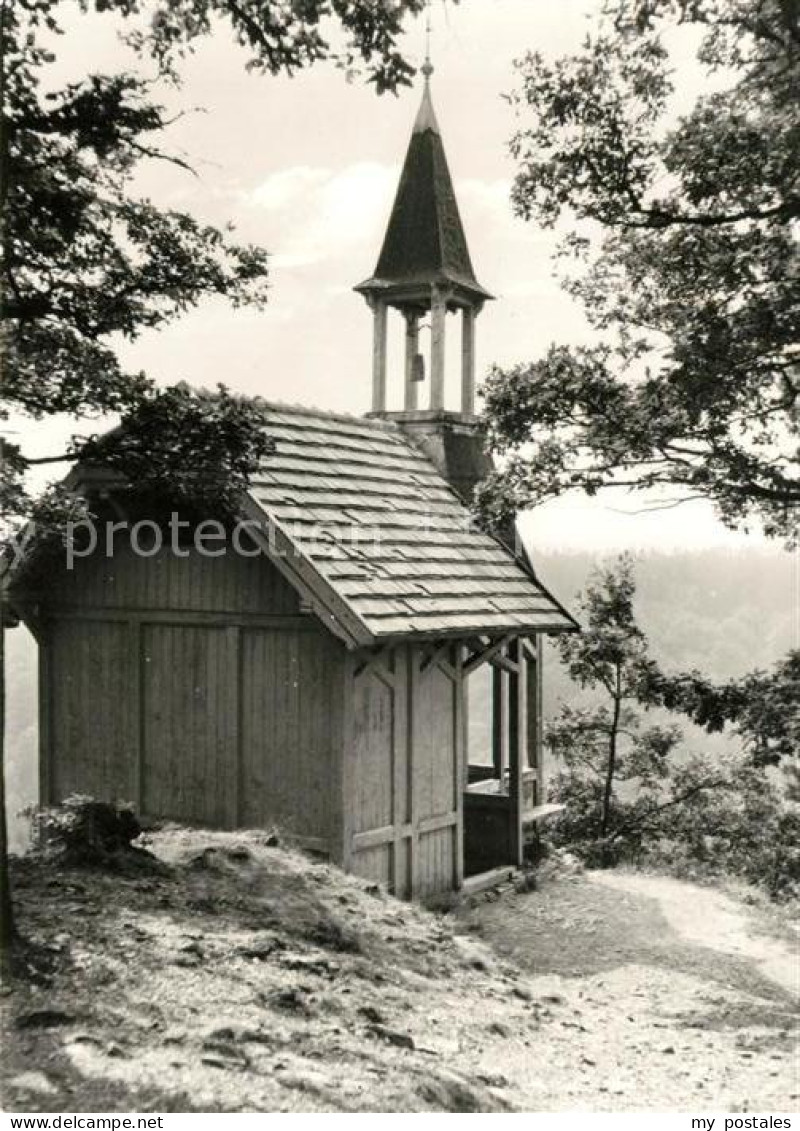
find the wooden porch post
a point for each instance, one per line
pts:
(517, 743)
(499, 721)
(535, 718)
(461, 761)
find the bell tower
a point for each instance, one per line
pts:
(424, 270)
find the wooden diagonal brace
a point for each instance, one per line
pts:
(373, 661)
(505, 663)
(489, 653)
(437, 653)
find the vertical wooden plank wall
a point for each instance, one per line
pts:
(90, 716)
(376, 795)
(289, 737)
(189, 765)
(193, 688)
(214, 700)
(517, 747)
(404, 774)
(167, 583)
(403, 779)
(460, 709)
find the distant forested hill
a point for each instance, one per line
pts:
(722, 611)
(725, 613)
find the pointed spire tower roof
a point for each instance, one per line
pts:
(425, 244)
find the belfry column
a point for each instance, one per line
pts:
(379, 313)
(412, 349)
(438, 332)
(468, 360)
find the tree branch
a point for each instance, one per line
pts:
(711, 783)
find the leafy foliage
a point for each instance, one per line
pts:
(156, 450)
(684, 257)
(706, 821)
(763, 706)
(84, 261)
(282, 37)
(745, 826)
(180, 448)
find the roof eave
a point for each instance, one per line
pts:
(549, 628)
(412, 289)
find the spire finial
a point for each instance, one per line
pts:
(427, 66)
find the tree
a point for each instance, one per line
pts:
(683, 253)
(635, 789)
(607, 744)
(85, 261)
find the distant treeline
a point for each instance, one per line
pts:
(723, 612)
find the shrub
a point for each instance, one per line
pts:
(703, 820)
(84, 831)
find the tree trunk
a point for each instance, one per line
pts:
(7, 929)
(611, 765)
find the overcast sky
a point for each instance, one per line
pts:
(308, 166)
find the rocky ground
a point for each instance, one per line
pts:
(228, 974)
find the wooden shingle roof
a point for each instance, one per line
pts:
(383, 541)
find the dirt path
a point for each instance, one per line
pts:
(673, 997)
(711, 919)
